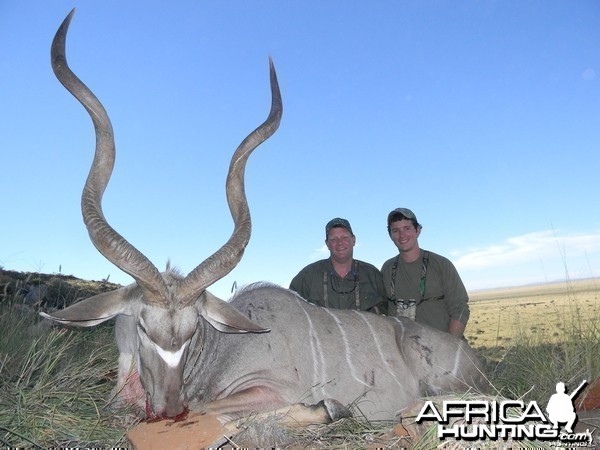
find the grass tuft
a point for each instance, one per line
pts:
(54, 384)
(538, 357)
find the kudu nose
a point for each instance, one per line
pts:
(176, 413)
(176, 408)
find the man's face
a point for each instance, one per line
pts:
(404, 235)
(340, 243)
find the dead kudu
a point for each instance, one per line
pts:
(267, 349)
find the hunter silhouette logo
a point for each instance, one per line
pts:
(501, 419)
(560, 406)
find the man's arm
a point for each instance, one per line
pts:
(456, 328)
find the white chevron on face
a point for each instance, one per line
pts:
(171, 358)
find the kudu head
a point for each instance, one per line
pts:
(167, 307)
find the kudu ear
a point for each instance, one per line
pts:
(225, 317)
(92, 311)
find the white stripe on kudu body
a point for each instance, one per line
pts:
(319, 375)
(383, 358)
(267, 348)
(347, 348)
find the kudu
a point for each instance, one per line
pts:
(181, 347)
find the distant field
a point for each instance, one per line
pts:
(548, 310)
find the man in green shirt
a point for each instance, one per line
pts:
(341, 281)
(420, 284)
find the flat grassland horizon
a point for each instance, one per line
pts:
(547, 311)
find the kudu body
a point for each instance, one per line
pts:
(181, 347)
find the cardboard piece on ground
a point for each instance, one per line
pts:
(195, 432)
(589, 399)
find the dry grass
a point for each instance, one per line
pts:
(534, 336)
(54, 383)
(499, 316)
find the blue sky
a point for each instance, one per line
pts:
(483, 117)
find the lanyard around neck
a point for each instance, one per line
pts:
(356, 287)
(422, 281)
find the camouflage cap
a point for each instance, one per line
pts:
(396, 213)
(337, 223)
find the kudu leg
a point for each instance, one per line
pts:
(261, 398)
(296, 415)
(251, 431)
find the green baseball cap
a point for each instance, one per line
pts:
(407, 213)
(338, 223)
